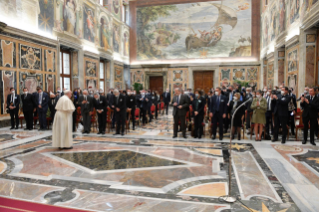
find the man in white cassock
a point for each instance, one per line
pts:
(62, 125)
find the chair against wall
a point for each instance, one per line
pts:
(299, 123)
(94, 120)
(78, 116)
(137, 116)
(162, 107)
(159, 109)
(109, 116)
(153, 108)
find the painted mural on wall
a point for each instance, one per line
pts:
(310, 65)
(91, 84)
(273, 22)
(46, 16)
(281, 71)
(126, 44)
(293, 61)
(194, 30)
(265, 31)
(282, 16)
(7, 54)
(70, 17)
(292, 81)
(105, 33)
(294, 10)
(116, 37)
(30, 57)
(90, 69)
(309, 4)
(116, 8)
(88, 23)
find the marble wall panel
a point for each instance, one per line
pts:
(49, 60)
(7, 54)
(310, 65)
(91, 84)
(92, 70)
(50, 83)
(30, 81)
(8, 79)
(281, 71)
(30, 57)
(229, 75)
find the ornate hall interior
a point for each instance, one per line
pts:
(127, 47)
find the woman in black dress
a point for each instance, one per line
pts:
(239, 116)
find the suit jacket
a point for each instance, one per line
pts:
(248, 104)
(201, 105)
(154, 99)
(121, 103)
(16, 101)
(142, 103)
(27, 103)
(294, 101)
(44, 103)
(109, 99)
(52, 103)
(222, 104)
(183, 102)
(166, 97)
(311, 109)
(100, 104)
(131, 101)
(281, 108)
(87, 107)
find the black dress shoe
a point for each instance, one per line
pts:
(30, 129)
(313, 143)
(17, 128)
(122, 134)
(283, 142)
(98, 133)
(12, 128)
(220, 139)
(304, 142)
(214, 137)
(25, 129)
(274, 140)
(103, 133)
(175, 136)
(116, 134)
(68, 147)
(83, 132)
(185, 136)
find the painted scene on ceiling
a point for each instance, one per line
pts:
(194, 30)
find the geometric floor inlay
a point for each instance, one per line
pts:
(110, 160)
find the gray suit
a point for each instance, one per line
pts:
(180, 114)
(85, 111)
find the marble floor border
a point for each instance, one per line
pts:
(4, 167)
(181, 192)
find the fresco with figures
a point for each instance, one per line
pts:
(195, 30)
(116, 37)
(69, 18)
(294, 10)
(46, 15)
(88, 23)
(105, 34)
(116, 8)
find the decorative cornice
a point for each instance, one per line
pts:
(311, 18)
(91, 54)
(281, 40)
(270, 55)
(292, 41)
(2, 26)
(71, 44)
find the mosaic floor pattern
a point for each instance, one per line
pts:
(153, 173)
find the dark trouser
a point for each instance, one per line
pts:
(269, 122)
(86, 122)
(291, 121)
(248, 119)
(156, 107)
(14, 114)
(181, 119)
(198, 124)
(132, 117)
(226, 123)
(313, 126)
(74, 120)
(218, 118)
(102, 121)
(280, 120)
(166, 106)
(53, 114)
(143, 114)
(28, 116)
(120, 121)
(150, 114)
(42, 118)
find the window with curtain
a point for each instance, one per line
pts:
(65, 70)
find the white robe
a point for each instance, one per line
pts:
(62, 125)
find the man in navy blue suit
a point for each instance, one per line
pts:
(13, 106)
(42, 102)
(218, 110)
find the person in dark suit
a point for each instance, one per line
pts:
(13, 106)
(180, 103)
(198, 104)
(99, 103)
(109, 101)
(143, 103)
(239, 116)
(76, 95)
(248, 108)
(52, 103)
(131, 105)
(281, 114)
(27, 106)
(310, 106)
(120, 112)
(218, 111)
(86, 103)
(42, 102)
(154, 102)
(149, 97)
(292, 110)
(167, 99)
(269, 100)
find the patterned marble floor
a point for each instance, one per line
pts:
(146, 170)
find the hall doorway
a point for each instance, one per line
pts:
(156, 84)
(203, 80)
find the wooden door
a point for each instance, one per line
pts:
(156, 84)
(203, 80)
